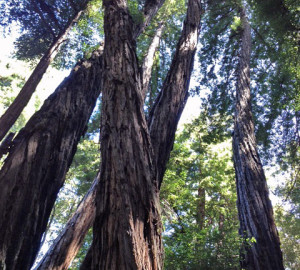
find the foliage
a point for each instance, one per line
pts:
(218, 56)
(288, 225)
(274, 73)
(199, 202)
(40, 22)
(11, 83)
(84, 38)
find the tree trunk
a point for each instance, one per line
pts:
(201, 208)
(67, 244)
(87, 262)
(39, 158)
(68, 236)
(15, 109)
(167, 109)
(254, 207)
(127, 229)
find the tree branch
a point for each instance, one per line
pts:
(67, 244)
(166, 112)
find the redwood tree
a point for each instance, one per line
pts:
(38, 160)
(66, 245)
(257, 226)
(127, 228)
(175, 93)
(40, 156)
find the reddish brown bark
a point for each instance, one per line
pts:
(166, 112)
(15, 109)
(127, 229)
(254, 206)
(39, 158)
(88, 266)
(57, 257)
(182, 85)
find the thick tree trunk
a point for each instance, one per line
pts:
(39, 158)
(166, 112)
(87, 262)
(15, 109)
(254, 206)
(181, 84)
(68, 236)
(67, 244)
(127, 229)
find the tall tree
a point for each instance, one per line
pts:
(257, 226)
(38, 160)
(127, 233)
(127, 230)
(58, 34)
(43, 152)
(66, 245)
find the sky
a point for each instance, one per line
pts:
(8, 66)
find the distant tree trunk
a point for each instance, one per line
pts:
(38, 160)
(201, 208)
(67, 244)
(15, 109)
(254, 206)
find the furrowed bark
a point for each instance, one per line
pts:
(254, 206)
(39, 158)
(127, 229)
(166, 112)
(67, 244)
(149, 59)
(87, 262)
(15, 109)
(67, 237)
